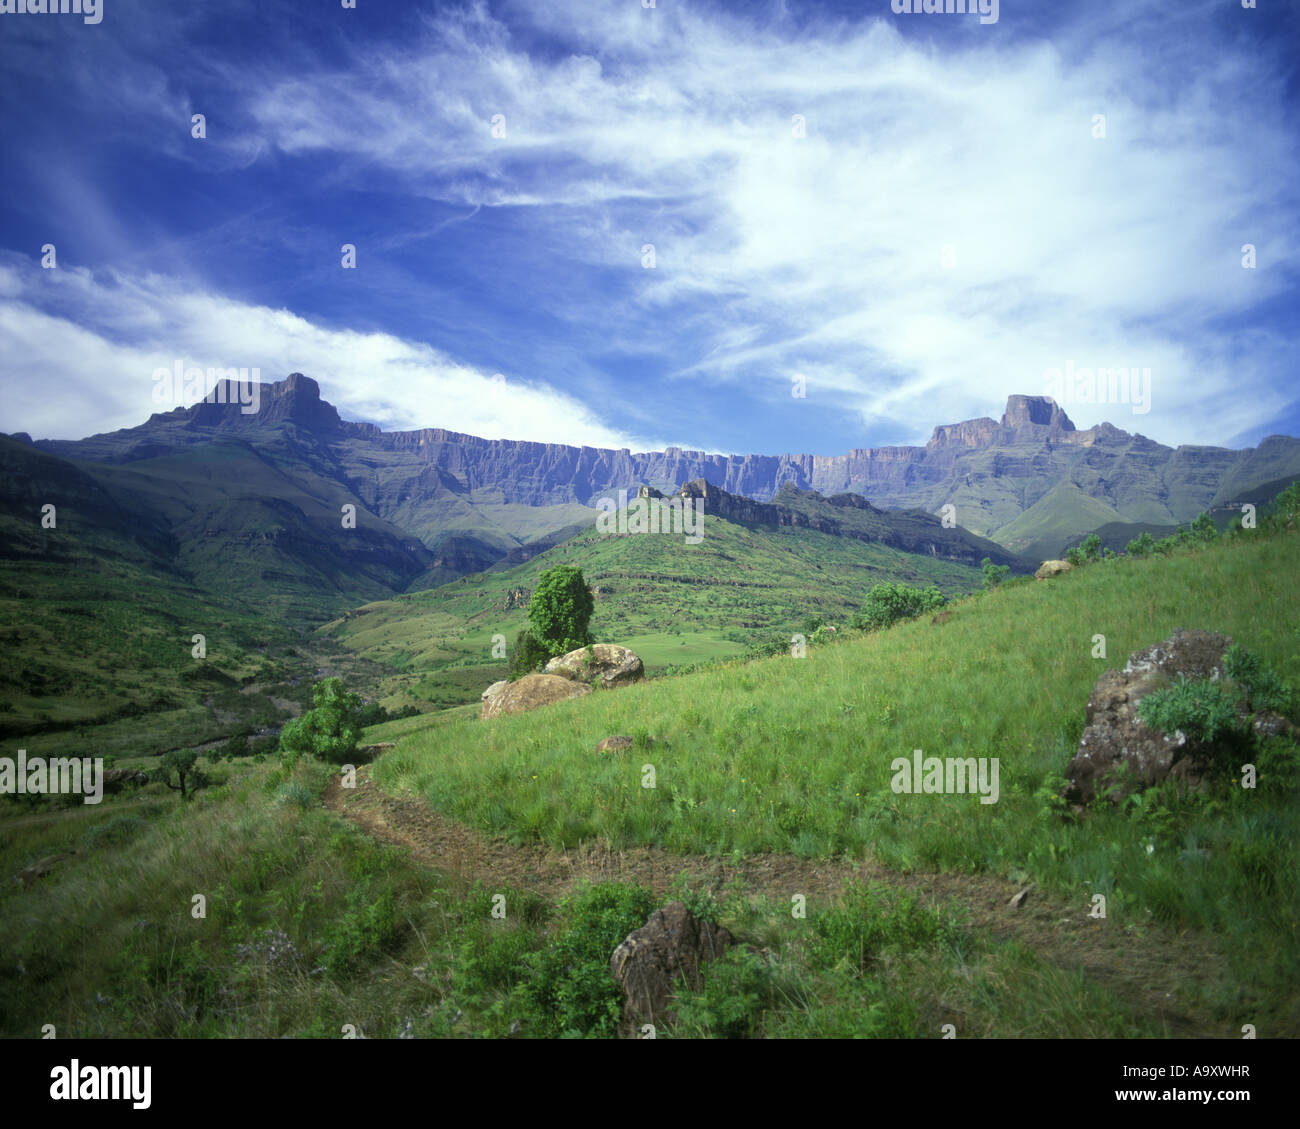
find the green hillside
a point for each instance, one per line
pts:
(673, 603)
(772, 780)
(793, 755)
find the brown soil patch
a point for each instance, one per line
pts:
(1148, 969)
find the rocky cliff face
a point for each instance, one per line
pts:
(994, 473)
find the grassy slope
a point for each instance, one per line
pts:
(671, 602)
(794, 755)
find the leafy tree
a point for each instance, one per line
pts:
(181, 763)
(560, 610)
(528, 654)
(1091, 548)
(330, 730)
(1287, 506)
(994, 574)
(889, 603)
(1141, 546)
(1074, 556)
(1203, 528)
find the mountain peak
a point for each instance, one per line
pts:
(1040, 410)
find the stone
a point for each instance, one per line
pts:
(530, 693)
(611, 666)
(1049, 569)
(1114, 736)
(673, 944)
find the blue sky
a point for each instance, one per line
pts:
(947, 229)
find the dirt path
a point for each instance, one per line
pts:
(1147, 969)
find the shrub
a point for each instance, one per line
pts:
(1203, 528)
(330, 730)
(528, 656)
(994, 574)
(1202, 709)
(1141, 546)
(889, 603)
(560, 610)
(735, 991)
(365, 928)
(570, 986)
(1260, 686)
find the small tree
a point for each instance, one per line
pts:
(330, 730)
(1091, 547)
(1203, 528)
(1141, 546)
(528, 654)
(994, 574)
(888, 603)
(560, 610)
(181, 763)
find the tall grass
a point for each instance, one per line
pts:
(793, 755)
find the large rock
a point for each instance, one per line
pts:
(1115, 736)
(530, 692)
(611, 666)
(1052, 568)
(647, 965)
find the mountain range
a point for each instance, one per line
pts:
(435, 504)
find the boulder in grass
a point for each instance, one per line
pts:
(672, 945)
(529, 693)
(608, 666)
(615, 744)
(1116, 739)
(1048, 569)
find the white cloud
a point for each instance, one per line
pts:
(1110, 252)
(81, 348)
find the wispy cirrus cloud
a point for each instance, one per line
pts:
(946, 228)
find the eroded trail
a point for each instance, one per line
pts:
(1148, 969)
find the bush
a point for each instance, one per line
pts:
(736, 990)
(529, 655)
(367, 927)
(1141, 546)
(329, 731)
(994, 574)
(1202, 709)
(1203, 528)
(570, 986)
(560, 610)
(889, 603)
(1260, 686)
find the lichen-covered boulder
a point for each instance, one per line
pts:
(608, 666)
(530, 693)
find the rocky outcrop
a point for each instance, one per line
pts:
(1117, 746)
(673, 944)
(608, 666)
(531, 692)
(1036, 411)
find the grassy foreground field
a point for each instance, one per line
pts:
(793, 755)
(771, 783)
